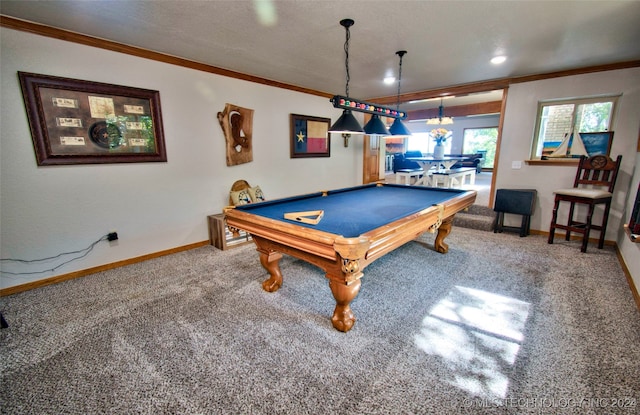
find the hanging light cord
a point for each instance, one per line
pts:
(347, 23)
(401, 54)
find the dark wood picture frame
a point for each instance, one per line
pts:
(82, 122)
(310, 136)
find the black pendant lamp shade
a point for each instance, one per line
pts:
(398, 128)
(375, 126)
(346, 124)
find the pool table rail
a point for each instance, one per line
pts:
(389, 237)
(290, 233)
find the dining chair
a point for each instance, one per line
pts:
(593, 185)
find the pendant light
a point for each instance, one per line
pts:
(376, 126)
(398, 128)
(347, 123)
(440, 119)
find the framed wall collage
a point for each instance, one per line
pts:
(82, 122)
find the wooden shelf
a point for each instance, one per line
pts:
(558, 162)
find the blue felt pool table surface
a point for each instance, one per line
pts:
(351, 212)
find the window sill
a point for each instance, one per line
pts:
(556, 162)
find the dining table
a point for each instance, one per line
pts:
(439, 164)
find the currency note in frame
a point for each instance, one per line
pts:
(134, 109)
(72, 141)
(137, 142)
(65, 102)
(134, 125)
(68, 122)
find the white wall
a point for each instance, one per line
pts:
(153, 206)
(517, 134)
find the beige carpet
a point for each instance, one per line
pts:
(499, 325)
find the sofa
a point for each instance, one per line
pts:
(400, 161)
(471, 160)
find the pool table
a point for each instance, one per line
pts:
(359, 225)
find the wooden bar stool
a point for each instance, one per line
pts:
(599, 174)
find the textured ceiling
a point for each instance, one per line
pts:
(301, 42)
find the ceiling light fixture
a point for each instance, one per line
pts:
(440, 119)
(398, 128)
(497, 60)
(376, 126)
(347, 123)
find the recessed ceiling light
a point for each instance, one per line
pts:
(389, 80)
(497, 60)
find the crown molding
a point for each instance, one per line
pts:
(52, 32)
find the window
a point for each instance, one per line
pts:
(556, 118)
(424, 143)
(481, 140)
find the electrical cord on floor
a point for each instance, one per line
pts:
(83, 253)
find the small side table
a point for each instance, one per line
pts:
(518, 202)
(221, 237)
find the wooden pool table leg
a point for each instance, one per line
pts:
(443, 231)
(343, 317)
(270, 260)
